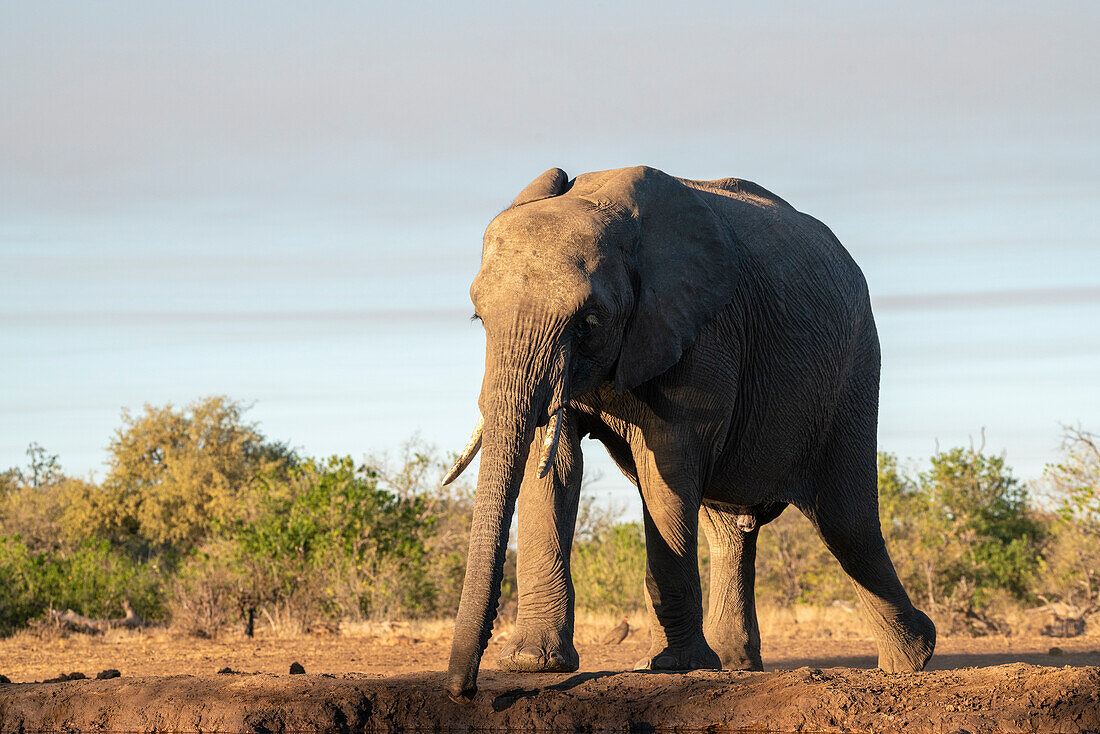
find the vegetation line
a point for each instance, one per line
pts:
(204, 524)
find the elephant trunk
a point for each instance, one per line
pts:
(515, 397)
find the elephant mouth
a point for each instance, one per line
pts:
(554, 422)
(553, 419)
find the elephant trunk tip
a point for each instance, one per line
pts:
(461, 690)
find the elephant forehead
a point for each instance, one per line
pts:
(545, 229)
(543, 282)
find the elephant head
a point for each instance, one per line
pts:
(605, 278)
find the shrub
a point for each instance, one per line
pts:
(962, 534)
(327, 543)
(22, 597)
(92, 580)
(446, 513)
(1071, 561)
(793, 566)
(203, 518)
(209, 591)
(609, 568)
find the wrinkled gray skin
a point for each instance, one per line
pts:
(720, 344)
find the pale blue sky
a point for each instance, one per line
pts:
(283, 202)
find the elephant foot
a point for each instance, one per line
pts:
(740, 659)
(736, 655)
(907, 648)
(539, 651)
(696, 655)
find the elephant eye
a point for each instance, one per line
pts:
(587, 324)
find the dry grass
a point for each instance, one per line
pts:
(796, 622)
(421, 630)
(841, 621)
(802, 622)
(590, 628)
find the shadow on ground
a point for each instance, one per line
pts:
(947, 660)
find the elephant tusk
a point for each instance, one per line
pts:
(550, 444)
(468, 453)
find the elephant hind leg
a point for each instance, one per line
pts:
(843, 506)
(731, 627)
(906, 636)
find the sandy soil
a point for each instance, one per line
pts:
(156, 653)
(983, 685)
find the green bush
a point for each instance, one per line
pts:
(330, 542)
(962, 532)
(95, 578)
(22, 598)
(92, 580)
(609, 568)
(319, 543)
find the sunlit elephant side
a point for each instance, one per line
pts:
(721, 345)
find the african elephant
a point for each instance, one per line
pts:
(720, 344)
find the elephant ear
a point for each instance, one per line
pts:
(685, 265)
(551, 183)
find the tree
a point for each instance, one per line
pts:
(48, 517)
(42, 468)
(175, 476)
(37, 504)
(1076, 478)
(1072, 558)
(962, 532)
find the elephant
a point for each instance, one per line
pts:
(720, 344)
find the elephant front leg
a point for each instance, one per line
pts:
(543, 638)
(672, 582)
(731, 627)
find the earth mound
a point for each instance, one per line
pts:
(1006, 698)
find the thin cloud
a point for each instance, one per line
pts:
(421, 316)
(1015, 298)
(958, 300)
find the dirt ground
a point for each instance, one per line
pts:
(172, 683)
(25, 658)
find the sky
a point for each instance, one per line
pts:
(284, 202)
